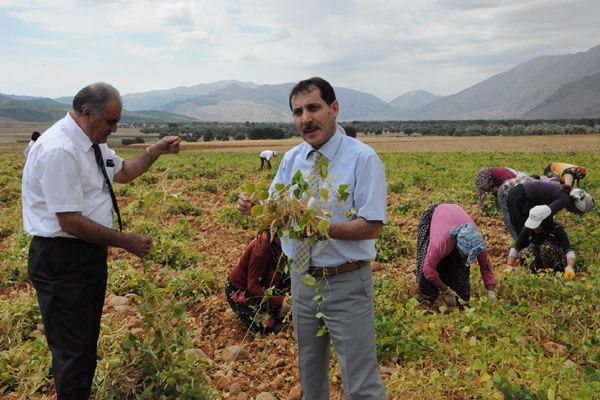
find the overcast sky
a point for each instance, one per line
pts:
(384, 47)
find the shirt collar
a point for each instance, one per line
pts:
(77, 134)
(329, 149)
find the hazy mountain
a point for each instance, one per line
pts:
(270, 103)
(36, 110)
(47, 110)
(557, 86)
(413, 100)
(512, 93)
(156, 98)
(6, 97)
(68, 100)
(578, 99)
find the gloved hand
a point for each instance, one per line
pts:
(450, 297)
(284, 310)
(492, 294)
(569, 273)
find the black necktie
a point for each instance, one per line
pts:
(100, 163)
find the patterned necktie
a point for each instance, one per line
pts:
(100, 163)
(302, 254)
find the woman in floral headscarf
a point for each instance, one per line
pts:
(448, 241)
(488, 180)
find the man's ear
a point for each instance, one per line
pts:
(87, 113)
(335, 106)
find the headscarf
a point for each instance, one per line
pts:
(469, 241)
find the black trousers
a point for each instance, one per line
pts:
(264, 161)
(69, 276)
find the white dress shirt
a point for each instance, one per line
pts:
(61, 175)
(267, 154)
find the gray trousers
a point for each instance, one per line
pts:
(350, 320)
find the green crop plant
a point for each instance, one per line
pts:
(489, 350)
(193, 285)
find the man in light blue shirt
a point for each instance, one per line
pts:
(340, 264)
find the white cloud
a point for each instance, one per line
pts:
(385, 47)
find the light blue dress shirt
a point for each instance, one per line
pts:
(353, 163)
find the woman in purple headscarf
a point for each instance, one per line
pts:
(448, 241)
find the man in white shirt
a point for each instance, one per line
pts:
(265, 158)
(341, 265)
(67, 201)
(34, 136)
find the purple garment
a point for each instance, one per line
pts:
(545, 193)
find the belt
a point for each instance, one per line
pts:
(325, 272)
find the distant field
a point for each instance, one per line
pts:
(14, 135)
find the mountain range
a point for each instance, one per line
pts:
(546, 87)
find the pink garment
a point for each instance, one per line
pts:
(441, 243)
(501, 175)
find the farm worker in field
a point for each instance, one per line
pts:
(260, 267)
(502, 196)
(532, 206)
(448, 241)
(488, 180)
(265, 158)
(567, 173)
(68, 205)
(341, 265)
(549, 250)
(34, 137)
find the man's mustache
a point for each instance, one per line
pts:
(310, 127)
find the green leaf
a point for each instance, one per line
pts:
(322, 330)
(262, 195)
(320, 315)
(249, 187)
(323, 227)
(323, 166)
(319, 298)
(303, 222)
(256, 210)
(297, 178)
(279, 186)
(324, 193)
(308, 280)
(350, 212)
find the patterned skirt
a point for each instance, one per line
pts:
(548, 255)
(252, 311)
(452, 269)
(484, 184)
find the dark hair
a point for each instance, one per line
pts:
(35, 135)
(327, 93)
(95, 97)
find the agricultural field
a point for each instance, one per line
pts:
(171, 338)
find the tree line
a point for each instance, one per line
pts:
(209, 131)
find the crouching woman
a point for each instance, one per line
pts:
(448, 241)
(256, 287)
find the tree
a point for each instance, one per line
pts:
(350, 131)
